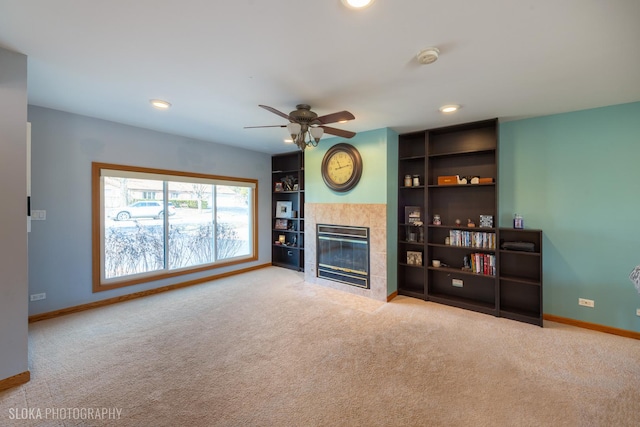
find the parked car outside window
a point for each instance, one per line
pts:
(142, 209)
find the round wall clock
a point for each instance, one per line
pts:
(342, 167)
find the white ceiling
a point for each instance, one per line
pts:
(215, 61)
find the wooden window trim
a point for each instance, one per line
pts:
(96, 226)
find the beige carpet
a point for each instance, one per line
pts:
(267, 349)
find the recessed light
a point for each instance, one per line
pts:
(449, 108)
(159, 104)
(357, 4)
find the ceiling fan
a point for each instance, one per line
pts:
(306, 127)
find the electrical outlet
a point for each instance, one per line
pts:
(586, 302)
(638, 312)
(457, 283)
(38, 297)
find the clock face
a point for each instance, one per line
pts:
(342, 167)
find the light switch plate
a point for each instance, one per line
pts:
(37, 215)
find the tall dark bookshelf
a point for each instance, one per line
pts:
(290, 253)
(412, 161)
(467, 150)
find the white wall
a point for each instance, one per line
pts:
(13, 215)
(63, 147)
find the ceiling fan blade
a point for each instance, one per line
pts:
(274, 111)
(338, 132)
(335, 117)
(269, 126)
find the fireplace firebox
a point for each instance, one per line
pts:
(343, 254)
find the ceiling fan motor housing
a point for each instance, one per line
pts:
(303, 114)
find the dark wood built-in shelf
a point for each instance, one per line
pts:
(468, 150)
(288, 256)
(465, 186)
(466, 303)
(461, 271)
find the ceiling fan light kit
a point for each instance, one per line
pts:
(428, 56)
(299, 136)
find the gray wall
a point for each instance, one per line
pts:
(13, 216)
(63, 147)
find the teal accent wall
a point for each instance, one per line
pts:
(372, 187)
(576, 177)
(379, 151)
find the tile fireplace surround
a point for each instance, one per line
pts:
(373, 216)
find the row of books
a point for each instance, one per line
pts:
(472, 239)
(483, 263)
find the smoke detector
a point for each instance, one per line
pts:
(428, 56)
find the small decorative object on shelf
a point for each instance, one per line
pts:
(411, 236)
(436, 263)
(474, 180)
(470, 223)
(415, 232)
(412, 214)
(462, 179)
(281, 239)
(437, 220)
(448, 180)
(458, 222)
(295, 187)
(282, 224)
(407, 181)
(518, 222)
(288, 182)
(486, 221)
(416, 180)
(414, 258)
(283, 209)
(279, 187)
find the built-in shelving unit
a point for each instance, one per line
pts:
(288, 230)
(466, 272)
(521, 277)
(412, 161)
